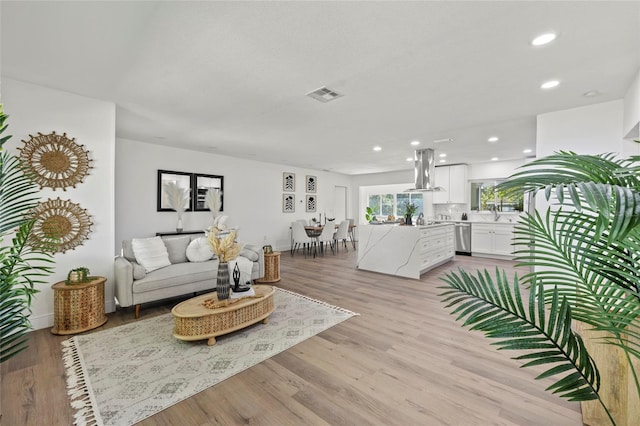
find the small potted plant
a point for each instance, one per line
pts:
(410, 210)
(369, 216)
(78, 275)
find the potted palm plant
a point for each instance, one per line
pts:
(22, 266)
(585, 278)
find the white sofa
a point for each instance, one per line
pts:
(135, 286)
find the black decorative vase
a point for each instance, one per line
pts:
(407, 220)
(223, 286)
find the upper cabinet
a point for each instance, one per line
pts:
(453, 179)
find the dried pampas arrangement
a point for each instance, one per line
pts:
(177, 197)
(225, 248)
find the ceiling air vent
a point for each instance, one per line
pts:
(323, 94)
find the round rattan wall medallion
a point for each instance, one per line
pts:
(55, 160)
(60, 225)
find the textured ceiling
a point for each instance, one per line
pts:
(231, 77)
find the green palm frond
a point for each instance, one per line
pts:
(496, 308)
(22, 267)
(18, 193)
(597, 182)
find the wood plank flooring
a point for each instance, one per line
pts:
(402, 361)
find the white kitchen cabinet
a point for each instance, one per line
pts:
(492, 239)
(437, 246)
(453, 179)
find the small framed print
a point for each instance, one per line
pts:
(288, 203)
(311, 183)
(312, 203)
(288, 182)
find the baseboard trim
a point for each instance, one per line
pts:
(39, 322)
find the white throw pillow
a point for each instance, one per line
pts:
(199, 250)
(151, 253)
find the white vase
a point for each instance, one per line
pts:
(179, 224)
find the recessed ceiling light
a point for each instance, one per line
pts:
(543, 39)
(443, 155)
(377, 148)
(549, 84)
(494, 159)
(414, 143)
(493, 139)
(527, 151)
(443, 161)
(409, 159)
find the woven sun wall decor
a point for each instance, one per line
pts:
(55, 160)
(60, 225)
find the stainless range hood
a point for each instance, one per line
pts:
(425, 168)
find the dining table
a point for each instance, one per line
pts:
(314, 231)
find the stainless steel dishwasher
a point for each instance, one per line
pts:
(463, 238)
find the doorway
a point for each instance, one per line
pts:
(340, 203)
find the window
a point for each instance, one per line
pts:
(485, 196)
(384, 205)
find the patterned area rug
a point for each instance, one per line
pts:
(123, 375)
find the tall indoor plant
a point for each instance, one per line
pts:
(585, 254)
(22, 267)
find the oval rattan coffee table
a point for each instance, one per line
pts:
(194, 321)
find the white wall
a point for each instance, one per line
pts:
(494, 169)
(592, 129)
(631, 120)
(252, 193)
(34, 109)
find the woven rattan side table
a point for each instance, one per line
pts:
(271, 268)
(78, 307)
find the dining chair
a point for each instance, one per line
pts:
(300, 237)
(351, 232)
(326, 236)
(342, 234)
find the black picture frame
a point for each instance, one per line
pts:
(201, 184)
(184, 179)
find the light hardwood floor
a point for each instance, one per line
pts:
(402, 361)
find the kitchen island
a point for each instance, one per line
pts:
(405, 251)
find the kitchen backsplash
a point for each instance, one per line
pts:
(454, 212)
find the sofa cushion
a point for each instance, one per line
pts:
(249, 254)
(127, 251)
(138, 270)
(177, 275)
(151, 253)
(177, 248)
(199, 250)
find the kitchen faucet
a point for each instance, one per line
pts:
(496, 216)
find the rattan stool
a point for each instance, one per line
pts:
(271, 268)
(78, 307)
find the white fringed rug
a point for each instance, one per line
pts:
(125, 374)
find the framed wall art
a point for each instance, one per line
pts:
(311, 183)
(288, 182)
(311, 204)
(288, 203)
(202, 184)
(182, 179)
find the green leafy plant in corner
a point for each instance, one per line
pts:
(585, 254)
(22, 267)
